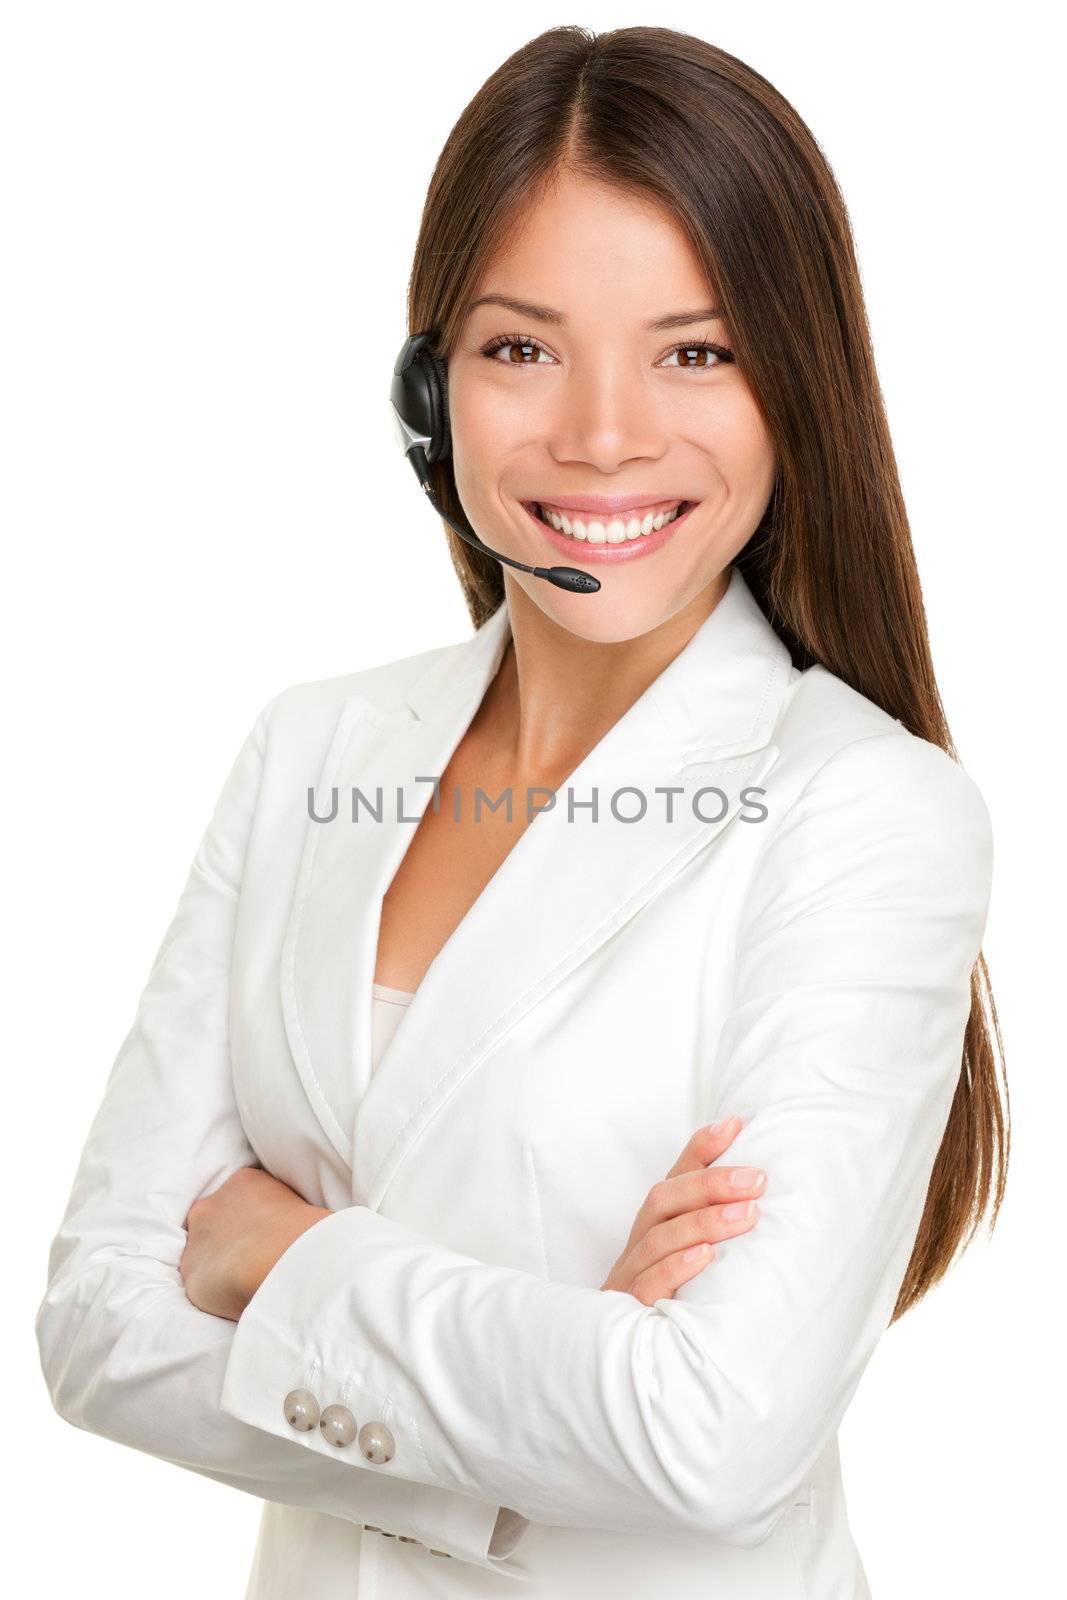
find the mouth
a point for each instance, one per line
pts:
(610, 536)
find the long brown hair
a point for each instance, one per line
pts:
(662, 113)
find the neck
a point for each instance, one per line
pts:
(555, 694)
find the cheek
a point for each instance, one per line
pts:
(744, 449)
(728, 429)
(488, 419)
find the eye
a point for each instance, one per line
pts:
(523, 351)
(512, 342)
(701, 348)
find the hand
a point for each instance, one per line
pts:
(686, 1208)
(236, 1235)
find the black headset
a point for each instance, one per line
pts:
(419, 401)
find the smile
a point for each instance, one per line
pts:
(620, 536)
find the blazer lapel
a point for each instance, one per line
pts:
(568, 884)
(329, 954)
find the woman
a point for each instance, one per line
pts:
(571, 1278)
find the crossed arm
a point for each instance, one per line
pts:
(572, 1405)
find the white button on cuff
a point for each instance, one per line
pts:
(301, 1410)
(376, 1442)
(338, 1426)
(403, 1538)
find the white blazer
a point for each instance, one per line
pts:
(803, 959)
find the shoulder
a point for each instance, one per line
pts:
(383, 686)
(858, 789)
(309, 710)
(832, 736)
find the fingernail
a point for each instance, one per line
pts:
(745, 1177)
(694, 1251)
(721, 1127)
(738, 1210)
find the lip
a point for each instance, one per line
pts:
(606, 554)
(607, 504)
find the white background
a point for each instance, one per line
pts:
(209, 212)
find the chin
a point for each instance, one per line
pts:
(614, 615)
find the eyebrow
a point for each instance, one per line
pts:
(524, 308)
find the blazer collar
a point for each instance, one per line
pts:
(564, 889)
(707, 694)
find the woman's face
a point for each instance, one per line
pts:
(582, 397)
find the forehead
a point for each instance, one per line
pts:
(596, 253)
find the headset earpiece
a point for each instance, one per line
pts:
(438, 381)
(419, 396)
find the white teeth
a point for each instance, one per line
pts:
(616, 531)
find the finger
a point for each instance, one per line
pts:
(689, 1191)
(707, 1144)
(708, 1225)
(707, 1186)
(660, 1281)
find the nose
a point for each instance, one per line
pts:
(605, 415)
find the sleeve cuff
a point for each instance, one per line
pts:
(280, 1345)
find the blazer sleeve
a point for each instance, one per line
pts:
(842, 1049)
(124, 1352)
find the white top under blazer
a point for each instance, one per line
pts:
(429, 1392)
(389, 1006)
